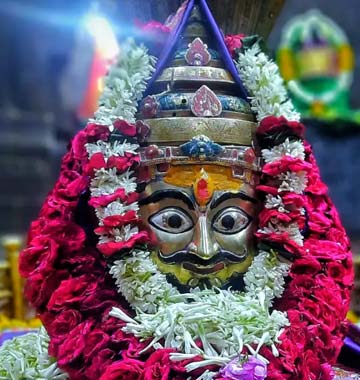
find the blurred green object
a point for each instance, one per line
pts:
(317, 64)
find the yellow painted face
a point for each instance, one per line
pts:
(204, 220)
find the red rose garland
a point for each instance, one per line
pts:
(317, 297)
(69, 284)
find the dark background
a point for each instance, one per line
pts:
(37, 40)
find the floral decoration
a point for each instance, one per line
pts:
(93, 329)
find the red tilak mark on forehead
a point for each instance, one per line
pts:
(202, 190)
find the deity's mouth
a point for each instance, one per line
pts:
(203, 270)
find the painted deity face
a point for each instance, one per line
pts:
(203, 220)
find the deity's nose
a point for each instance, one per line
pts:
(203, 244)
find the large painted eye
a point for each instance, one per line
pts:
(172, 220)
(230, 220)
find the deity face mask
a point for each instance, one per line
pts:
(199, 195)
(203, 220)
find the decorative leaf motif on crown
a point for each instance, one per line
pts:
(205, 103)
(197, 53)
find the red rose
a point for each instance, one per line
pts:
(324, 249)
(73, 347)
(78, 146)
(39, 288)
(158, 366)
(123, 163)
(280, 238)
(301, 286)
(84, 261)
(292, 342)
(95, 341)
(308, 365)
(120, 220)
(125, 128)
(339, 273)
(315, 185)
(120, 194)
(99, 300)
(72, 291)
(62, 323)
(233, 42)
(285, 164)
(39, 256)
(99, 363)
(322, 340)
(272, 215)
(96, 162)
(69, 235)
(274, 130)
(95, 132)
(306, 265)
(70, 184)
(110, 248)
(293, 201)
(56, 207)
(126, 369)
(318, 222)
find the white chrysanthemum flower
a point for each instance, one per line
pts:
(268, 96)
(107, 181)
(26, 357)
(292, 229)
(118, 235)
(115, 208)
(124, 85)
(295, 182)
(111, 149)
(289, 148)
(275, 202)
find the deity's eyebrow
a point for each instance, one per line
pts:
(169, 193)
(225, 196)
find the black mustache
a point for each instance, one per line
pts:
(189, 257)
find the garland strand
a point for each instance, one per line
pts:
(262, 79)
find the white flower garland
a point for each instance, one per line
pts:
(125, 84)
(294, 149)
(26, 357)
(295, 182)
(268, 96)
(223, 320)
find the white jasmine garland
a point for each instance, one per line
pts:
(140, 282)
(289, 148)
(267, 274)
(107, 181)
(111, 149)
(223, 320)
(268, 96)
(26, 357)
(124, 84)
